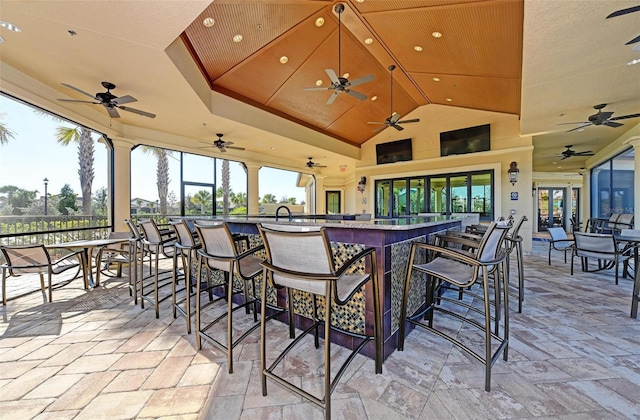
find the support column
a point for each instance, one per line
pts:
(121, 187)
(253, 193)
(635, 142)
(321, 202)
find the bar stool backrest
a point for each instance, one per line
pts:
(217, 241)
(183, 233)
(491, 243)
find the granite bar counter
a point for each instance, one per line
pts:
(391, 238)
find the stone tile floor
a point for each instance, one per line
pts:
(574, 354)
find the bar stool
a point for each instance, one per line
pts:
(186, 246)
(447, 266)
(135, 253)
(513, 241)
(291, 249)
(157, 246)
(219, 253)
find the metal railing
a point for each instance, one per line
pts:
(48, 230)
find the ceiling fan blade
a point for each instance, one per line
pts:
(633, 41)
(222, 149)
(234, 147)
(333, 97)
(79, 90)
(612, 124)
(565, 157)
(580, 122)
(624, 11)
(137, 111)
(363, 79)
(332, 76)
(375, 122)
(579, 128)
(124, 99)
(414, 120)
(397, 127)
(624, 117)
(113, 112)
(310, 89)
(380, 128)
(585, 153)
(356, 94)
(77, 100)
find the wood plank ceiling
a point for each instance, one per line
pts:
(476, 63)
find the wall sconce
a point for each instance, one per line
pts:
(513, 173)
(533, 190)
(362, 183)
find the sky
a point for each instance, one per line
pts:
(33, 154)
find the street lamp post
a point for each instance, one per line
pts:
(46, 182)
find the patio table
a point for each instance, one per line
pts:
(87, 246)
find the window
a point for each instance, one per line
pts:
(612, 186)
(470, 192)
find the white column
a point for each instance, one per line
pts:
(121, 188)
(321, 202)
(253, 193)
(635, 142)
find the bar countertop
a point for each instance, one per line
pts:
(403, 223)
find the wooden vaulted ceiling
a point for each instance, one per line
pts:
(477, 60)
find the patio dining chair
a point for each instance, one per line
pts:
(602, 247)
(111, 255)
(299, 258)
(560, 242)
(35, 259)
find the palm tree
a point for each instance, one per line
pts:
(202, 198)
(239, 199)
(162, 174)
(6, 133)
(226, 177)
(81, 136)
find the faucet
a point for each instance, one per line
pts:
(288, 211)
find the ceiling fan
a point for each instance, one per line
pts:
(601, 118)
(109, 101)
(570, 153)
(392, 121)
(224, 145)
(622, 12)
(311, 164)
(338, 83)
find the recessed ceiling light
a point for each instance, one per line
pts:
(237, 38)
(1, 40)
(318, 82)
(346, 75)
(436, 79)
(208, 22)
(417, 48)
(319, 22)
(374, 98)
(436, 34)
(284, 59)
(368, 41)
(360, 1)
(10, 26)
(449, 100)
(632, 62)
(636, 47)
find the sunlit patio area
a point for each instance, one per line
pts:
(574, 353)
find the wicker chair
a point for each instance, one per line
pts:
(300, 259)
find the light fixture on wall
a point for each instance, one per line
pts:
(533, 190)
(513, 173)
(362, 183)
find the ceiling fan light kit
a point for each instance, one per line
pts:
(109, 101)
(338, 82)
